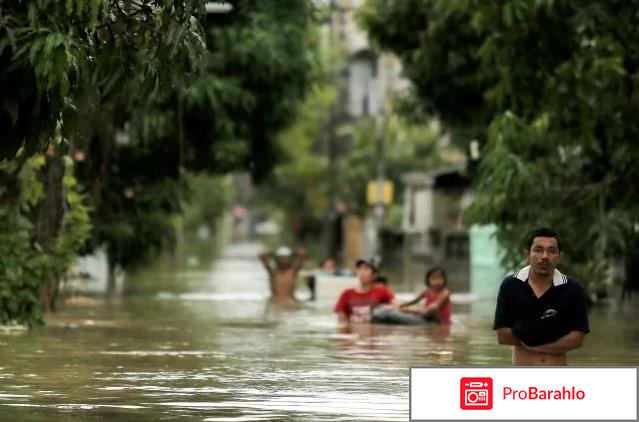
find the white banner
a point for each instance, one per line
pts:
(523, 393)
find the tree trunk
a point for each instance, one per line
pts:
(98, 145)
(100, 148)
(49, 221)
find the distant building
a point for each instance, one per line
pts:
(432, 224)
(434, 234)
(367, 78)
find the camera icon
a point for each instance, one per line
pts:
(476, 393)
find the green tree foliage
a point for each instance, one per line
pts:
(437, 45)
(407, 147)
(208, 198)
(24, 265)
(306, 181)
(258, 69)
(62, 63)
(223, 117)
(59, 58)
(138, 100)
(562, 98)
(301, 185)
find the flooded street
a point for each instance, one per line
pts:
(206, 346)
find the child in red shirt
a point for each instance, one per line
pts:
(436, 298)
(357, 304)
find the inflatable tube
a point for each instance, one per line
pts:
(395, 317)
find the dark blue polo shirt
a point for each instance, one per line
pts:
(535, 321)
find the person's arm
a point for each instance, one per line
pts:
(431, 308)
(266, 258)
(342, 309)
(299, 260)
(504, 319)
(434, 307)
(342, 319)
(572, 340)
(389, 300)
(505, 336)
(578, 320)
(393, 304)
(414, 301)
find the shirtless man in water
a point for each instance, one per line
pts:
(540, 311)
(282, 271)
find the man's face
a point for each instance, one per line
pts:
(543, 255)
(283, 262)
(365, 275)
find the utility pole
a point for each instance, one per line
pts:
(331, 246)
(331, 152)
(379, 209)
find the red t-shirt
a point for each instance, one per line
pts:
(443, 315)
(358, 307)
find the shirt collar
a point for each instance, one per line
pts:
(557, 279)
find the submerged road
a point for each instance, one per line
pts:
(204, 344)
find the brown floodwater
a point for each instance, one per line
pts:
(204, 344)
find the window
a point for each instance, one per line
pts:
(457, 246)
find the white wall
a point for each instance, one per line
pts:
(419, 201)
(362, 87)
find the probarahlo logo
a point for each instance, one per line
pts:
(476, 393)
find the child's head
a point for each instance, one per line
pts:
(328, 264)
(435, 278)
(283, 257)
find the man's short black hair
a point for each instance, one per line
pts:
(373, 263)
(544, 232)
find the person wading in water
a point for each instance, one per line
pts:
(540, 311)
(283, 268)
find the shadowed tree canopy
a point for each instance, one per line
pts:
(139, 92)
(62, 59)
(437, 45)
(62, 64)
(221, 117)
(555, 84)
(256, 72)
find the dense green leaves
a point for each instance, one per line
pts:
(258, 68)
(24, 264)
(304, 184)
(437, 44)
(57, 57)
(221, 117)
(139, 92)
(558, 80)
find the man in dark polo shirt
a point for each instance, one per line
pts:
(540, 311)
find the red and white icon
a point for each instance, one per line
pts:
(476, 393)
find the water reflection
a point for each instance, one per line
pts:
(217, 350)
